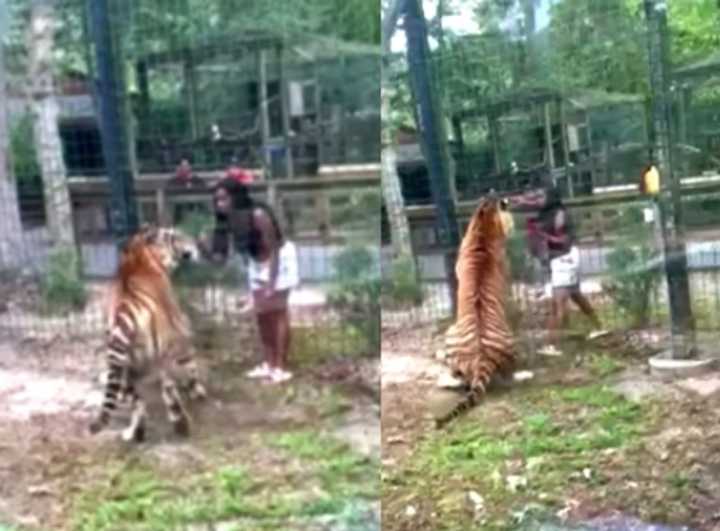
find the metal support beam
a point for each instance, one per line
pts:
(123, 207)
(670, 207)
(434, 140)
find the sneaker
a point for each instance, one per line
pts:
(261, 371)
(597, 333)
(280, 375)
(550, 350)
(522, 376)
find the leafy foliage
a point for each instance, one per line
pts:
(62, 288)
(22, 147)
(356, 292)
(634, 272)
(599, 44)
(403, 288)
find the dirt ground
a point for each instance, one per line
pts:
(311, 447)
(592, 439)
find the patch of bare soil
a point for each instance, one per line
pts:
(49, 390)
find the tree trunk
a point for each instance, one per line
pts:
(10, 226)
(392, 192)
(46, 111)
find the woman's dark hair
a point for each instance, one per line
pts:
(238, 223)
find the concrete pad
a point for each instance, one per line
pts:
(705, 386)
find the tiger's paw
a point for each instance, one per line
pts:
(448, 381)
(96, 426)
(197, 392)
(182, 427)
(134, 433)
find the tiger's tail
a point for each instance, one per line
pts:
(469, 401)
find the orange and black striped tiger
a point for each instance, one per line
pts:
(148, 332)
(479, 345)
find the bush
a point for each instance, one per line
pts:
(22, 147)
(403, 288)
(519, 260)
(355, 293)
(196, 223)
(635, 271)
(62, 288)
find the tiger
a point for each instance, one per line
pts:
(148, 332)
(479, 345)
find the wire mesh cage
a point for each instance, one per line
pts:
(131, 114)
(580, 96)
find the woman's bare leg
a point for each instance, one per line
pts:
(585, 306)
(557, 315)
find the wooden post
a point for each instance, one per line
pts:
(591, 154)
(566, 149)
(274, 201)
(318, 120)
(322, 206)
(161, 205)
(458, 134)
(285, 112)
(263, 107)
(495, 138)
(682, 112)
(190, 85)
(271, 195)
(141, 70)
(548, 135)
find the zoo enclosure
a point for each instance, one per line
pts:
(579, 94)
(180, 80)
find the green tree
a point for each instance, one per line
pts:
(598, 44)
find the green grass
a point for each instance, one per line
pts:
(315, 476)
(339, 470)
(317, 344)
(603, 365)
(549, 437)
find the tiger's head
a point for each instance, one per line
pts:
(162, 248)
(492, 219)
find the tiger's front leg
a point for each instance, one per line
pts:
(177, 415)
(110, 400)
(136, 429)
(187, 368)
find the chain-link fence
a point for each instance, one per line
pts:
(129, 113)
(582, 95)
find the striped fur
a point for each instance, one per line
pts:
(148, 331)
(479, 345)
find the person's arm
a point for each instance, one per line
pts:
(558, 225)
(264, 224)
(214, 246)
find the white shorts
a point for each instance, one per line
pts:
(288, 275)
(565, 269)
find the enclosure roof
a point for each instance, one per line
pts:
(523, 98)
(209, 48)
(704, 67)
(313, 48)
(587, 99)
(330, 47)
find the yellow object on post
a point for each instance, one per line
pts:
(650, 182)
